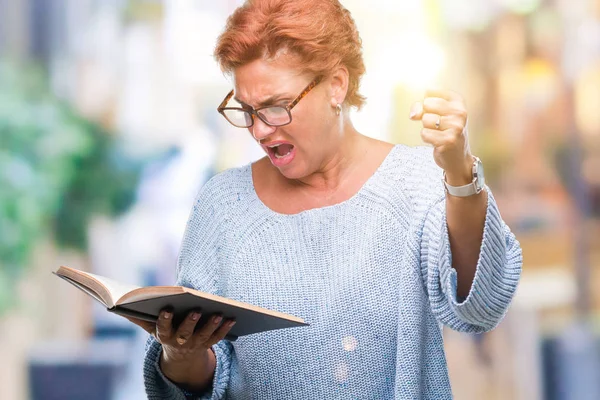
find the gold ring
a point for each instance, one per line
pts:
(181, 340)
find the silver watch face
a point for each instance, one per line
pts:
(478, 170)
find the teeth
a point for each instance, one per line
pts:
(275, 152)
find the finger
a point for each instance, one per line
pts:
(186, 328)
(220, 333)
(437, 105)
(443, 122)
(431, 121)
(443, 94)
(204, 334)
(453, 110)
(149, 327)
(432, 136)
(416, 111)
(164, 326)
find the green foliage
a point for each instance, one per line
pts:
(56, 171)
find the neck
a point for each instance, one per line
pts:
(339, 164)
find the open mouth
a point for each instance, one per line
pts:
(280, 150)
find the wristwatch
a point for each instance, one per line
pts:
(475, 187)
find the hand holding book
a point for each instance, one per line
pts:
(187, 333)
(185, 321)
(186, 356)
(145, 304)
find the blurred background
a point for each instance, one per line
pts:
(108, 127)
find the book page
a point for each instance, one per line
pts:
(83, 288)
(109, 291)
(90, 283)
(149, 292)
(116, 289)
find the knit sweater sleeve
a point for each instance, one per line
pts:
(498, 267)
(197, 268)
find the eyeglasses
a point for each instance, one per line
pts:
(270, 115)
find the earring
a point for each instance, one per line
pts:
(338, 109)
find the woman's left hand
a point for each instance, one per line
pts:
(444, 117)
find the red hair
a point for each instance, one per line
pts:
(321, 33)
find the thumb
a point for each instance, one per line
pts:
(416, 111)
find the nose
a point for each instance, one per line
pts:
(260, 130)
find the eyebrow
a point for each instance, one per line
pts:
(266, 102)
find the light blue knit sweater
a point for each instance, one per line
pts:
(372, 276)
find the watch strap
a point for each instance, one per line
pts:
(460, 191)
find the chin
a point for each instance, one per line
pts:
(292, 168)
(293, 171)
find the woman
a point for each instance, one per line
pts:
(359, 237)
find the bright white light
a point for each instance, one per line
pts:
(190, 37)
(341, 373)
(394, 6)
(349, 343)
(418, 64)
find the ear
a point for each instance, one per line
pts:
(339, 85)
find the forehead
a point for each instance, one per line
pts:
(261, 78)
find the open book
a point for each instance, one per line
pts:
(146, 302)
